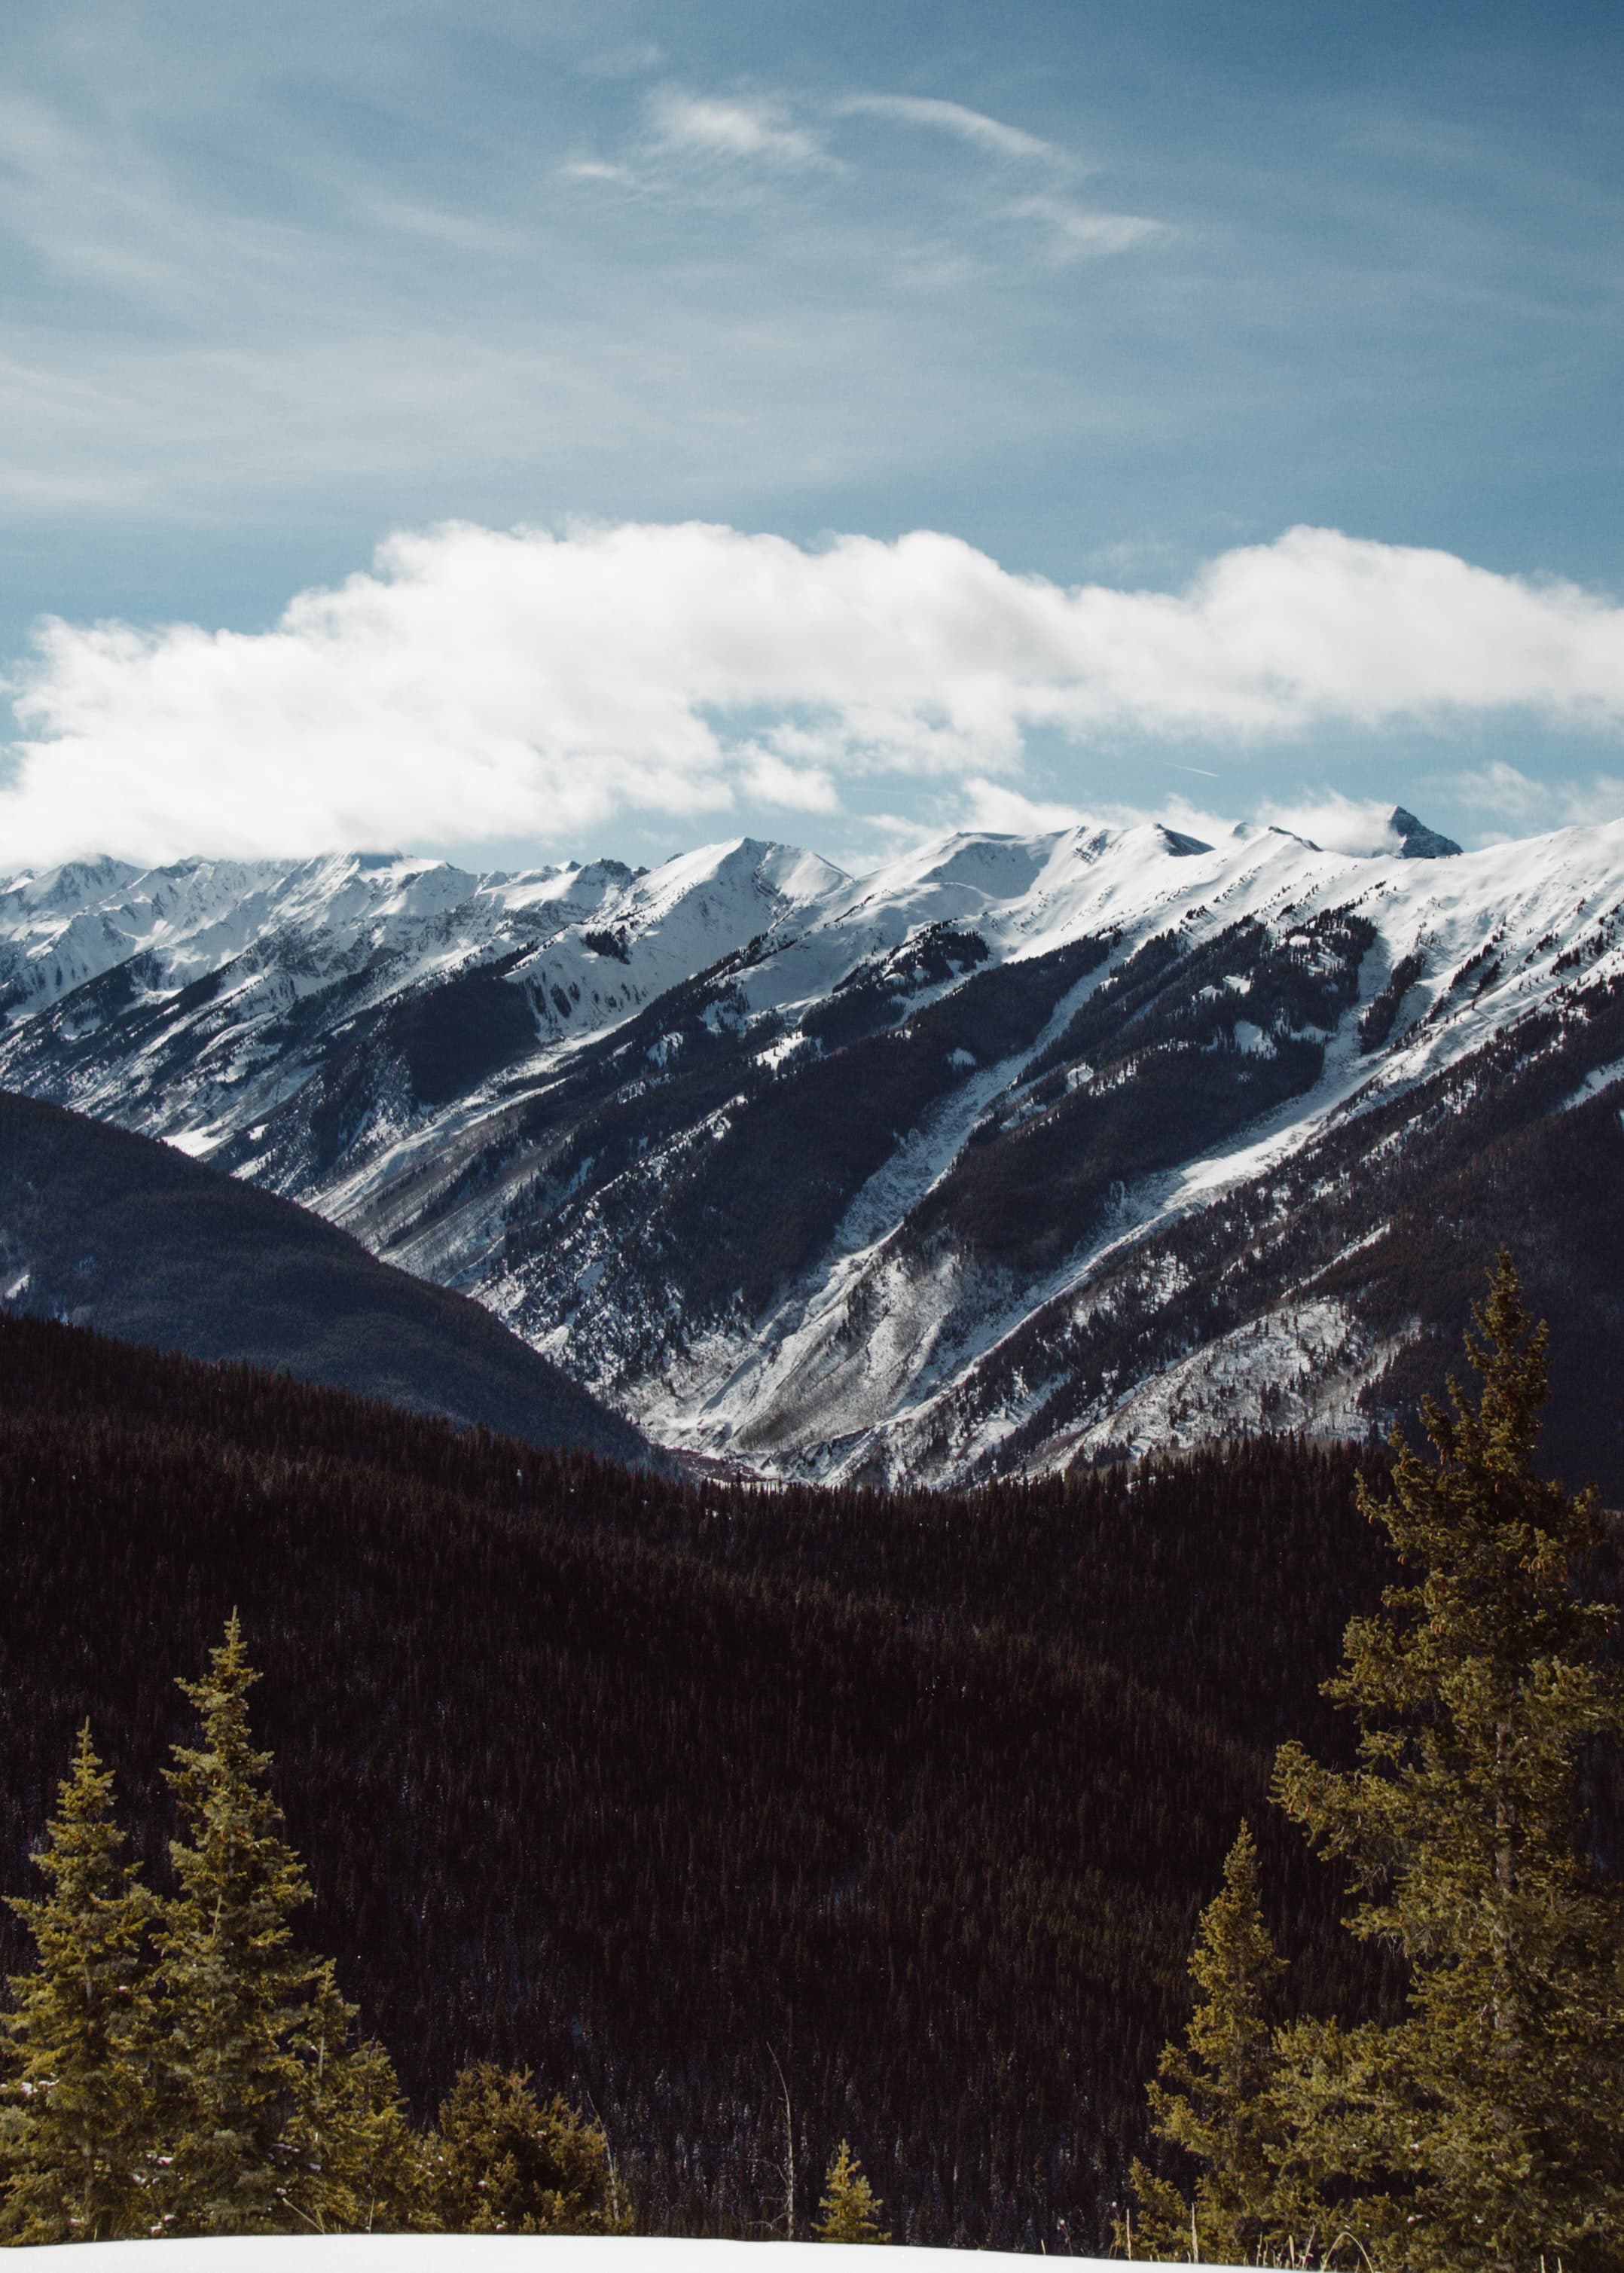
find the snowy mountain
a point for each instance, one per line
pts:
(1013, 1153)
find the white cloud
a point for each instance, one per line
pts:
(1073, 231)
(1505, 790)
(1006, 811)
(595, 170)
(1077, 233)
(771, 776)
(1338, 823)
(711, 127)
(1601, 799)
(479, 684)
(1526, 804)
(954, 118)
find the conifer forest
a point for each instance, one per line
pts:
(973, 1868)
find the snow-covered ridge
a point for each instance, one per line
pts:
(610, 1104)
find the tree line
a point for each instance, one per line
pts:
(180, 2066)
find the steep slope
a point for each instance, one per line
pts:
(1016, 1152)
(99, 1228)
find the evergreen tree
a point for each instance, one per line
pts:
(76, 2139)
(1486, 2130)
(357, 2166)
(850, 2210)
(235, 1992)
(1216, 2098)
(502, 2163)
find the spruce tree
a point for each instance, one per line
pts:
(355, 2165)
(1486, 2129)
(1215, 2096)
(501, 2163)
(76, 2142)
(850, 2210)
(235, 1990)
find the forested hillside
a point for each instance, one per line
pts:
(644, 1785)
(129, 1235)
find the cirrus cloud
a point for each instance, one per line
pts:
(975, 126)
(478, 684)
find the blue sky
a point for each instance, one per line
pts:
(1109, 294)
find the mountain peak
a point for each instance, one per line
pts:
(1416, 840)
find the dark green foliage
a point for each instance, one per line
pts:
(76, 2117)
(623, 1780)
(179, 2067)
(1484, 2129)
(235, 1990)
(1215, 2096)
(354, 2163)
(499, 2162)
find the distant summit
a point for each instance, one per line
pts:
(1416, 840)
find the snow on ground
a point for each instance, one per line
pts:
(457, 2253)
(1300, 1368)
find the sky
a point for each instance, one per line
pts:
(522, 430)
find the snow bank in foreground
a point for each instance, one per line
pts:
(455, 2253)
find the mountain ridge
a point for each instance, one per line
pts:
(1014, 1152)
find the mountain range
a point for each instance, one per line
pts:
(1014, 1154)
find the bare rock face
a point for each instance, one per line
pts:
(1417, 840)
(1017, 1152)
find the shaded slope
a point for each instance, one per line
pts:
(1340, 1283)
(108, 1229)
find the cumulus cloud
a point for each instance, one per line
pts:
(1009, 812)
(478, 684)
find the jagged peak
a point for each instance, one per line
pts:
(1416, 840)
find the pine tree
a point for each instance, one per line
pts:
(235, 1992)
(77, 2138)
(850, 2210)
(502, 2163)
(1486, 2129)
(357, 2166)
(1214, 2098)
